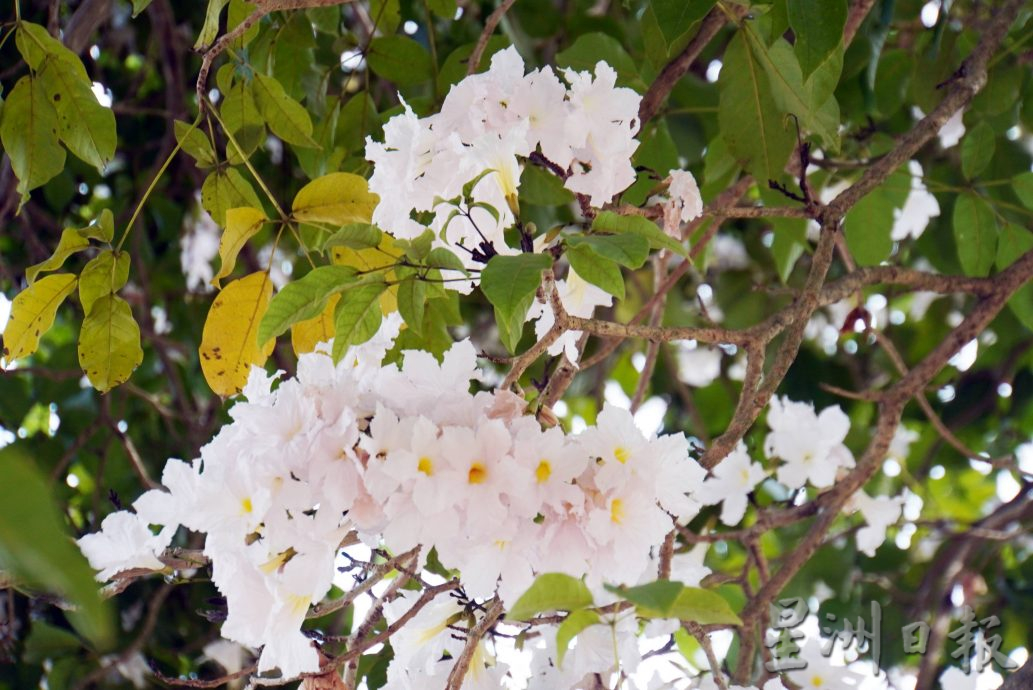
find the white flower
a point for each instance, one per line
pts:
(698, 366)
(199, 245)
(952, 131)
(733, 480)
(688, 567)
(879, 513)
(810, 445)
(955, 678)
(685, 195)
(601, 129)
(423, 640)
(124, 542)
(900, 444)
(821, 673)
(919, 207)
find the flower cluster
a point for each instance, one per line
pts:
(586, 128)
(582, 129)
(405, 456)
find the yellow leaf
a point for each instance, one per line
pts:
(229, 342)
(305, 335)
(109, 343)
(241, 225)
(371, 259)
(336, 199)
(33, 312)
(70, 243)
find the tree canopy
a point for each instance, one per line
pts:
(519, 343)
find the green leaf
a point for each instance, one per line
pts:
(750, 122)
(238, 11)
(676, 17)
(703, 607)
(102, 228)
(892, 80)
(788, 244)
(868, 225)
(977, 149)
(597, 270)
(304, 299)
(109, 343)
(358, 119)
(818, 27)
(417, 248)
(71, 242)
(792, 95)
(627, 250)
(28, 131)
(509, 283)
(590, 48)
(412, 300)
(608, 221)
(210, 28)
(386, 15)
(543, 188)
(32, 314)
(569, 629)
(224, 189)
(139, 6)
(287, 118)
(551, 592)
(49, 642)
(653, 600)
(975, 233)
(356, 236)
(36, 44)
(195, 143)
(105, 274)
(35, 546)
(1023, 186)
(1014, 242)
(85, 126)
(400, 60)
(291, 53)
(443, 8)
(241, 118)
(442, 258)
(357, 317)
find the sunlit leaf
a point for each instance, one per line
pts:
(71, 242)
(241, 225)
(109, 343)
(551, 592)
(229, 342)
(32, 314)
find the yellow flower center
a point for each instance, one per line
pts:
(817, 681)
(246, 507)
(543, 472)
(425, 465)
(477, 474)
(278, 561)
(617, 512)
(622, 454)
